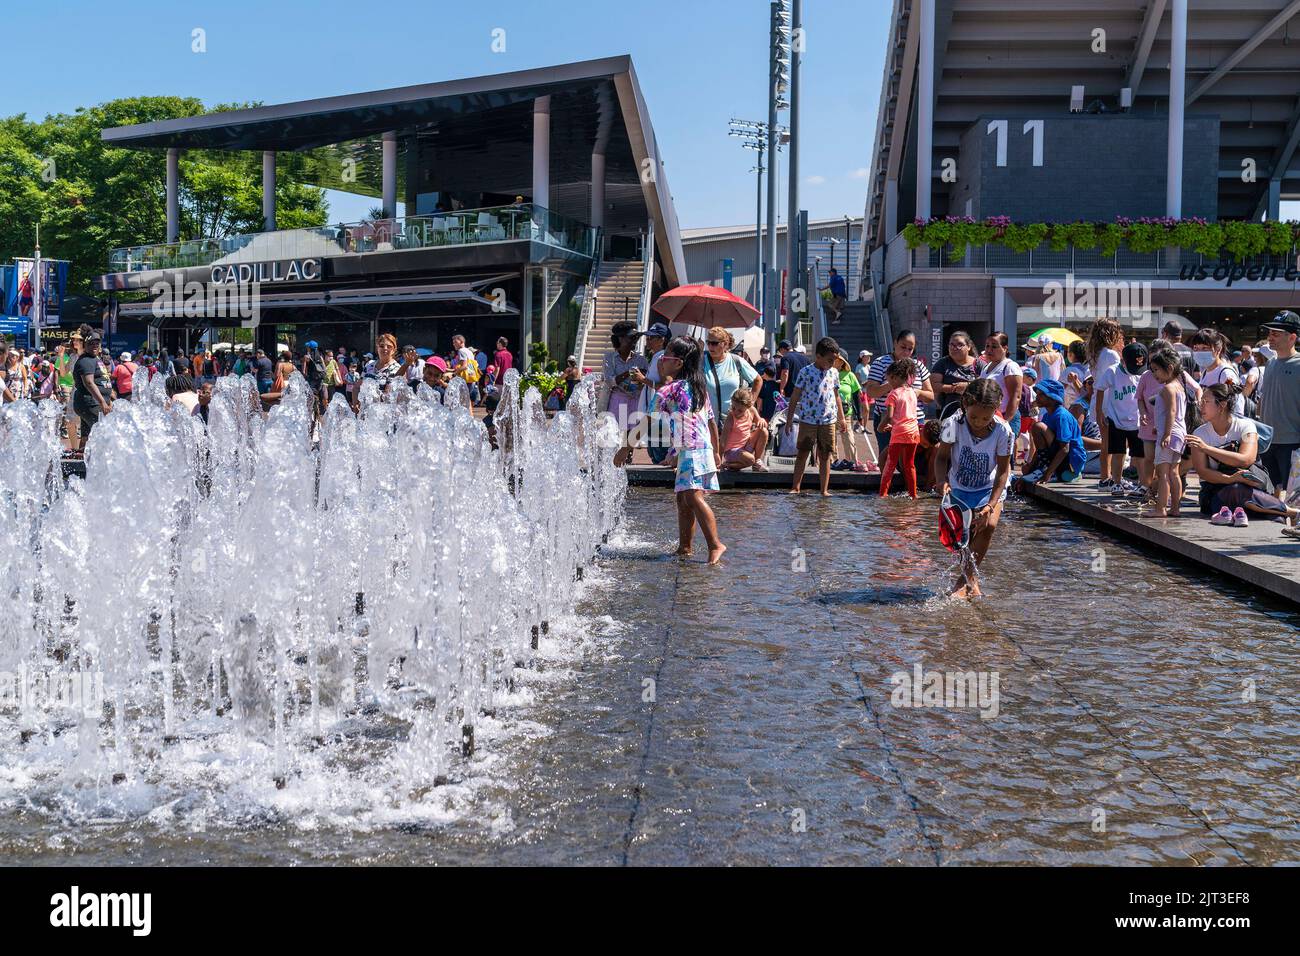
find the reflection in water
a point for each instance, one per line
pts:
(1121, 736)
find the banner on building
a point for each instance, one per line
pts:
(20, 292)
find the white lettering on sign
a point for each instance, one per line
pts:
(244, 273)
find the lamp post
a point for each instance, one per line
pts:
(777, 89)
(753, 135)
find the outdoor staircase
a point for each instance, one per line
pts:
(857, 329)
(618, 297)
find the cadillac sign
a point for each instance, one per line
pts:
(284, 270)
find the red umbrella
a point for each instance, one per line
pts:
(706, 306)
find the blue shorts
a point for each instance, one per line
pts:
(974, 500)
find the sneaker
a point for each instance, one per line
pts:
(1224, 517)
(1106, 484)
(1239, 519)
(1033, 477)
(837, 465)
(759, 466)
(1139, 493)
(860, 468)
(1121, 488)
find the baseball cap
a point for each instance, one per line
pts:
(124, 357)
(658, 331)
(1052, 389)
(783, 344)
(1284, 321)
(1029, 371)
(437, 361)
(865, 353)
(1135, 358)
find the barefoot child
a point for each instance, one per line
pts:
(904, 433)
(743, 438)
(695, 436)
(816, 398)
(974, 467)
(1171, 434)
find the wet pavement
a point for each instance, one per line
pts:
(742, 714)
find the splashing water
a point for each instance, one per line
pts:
(270, 611)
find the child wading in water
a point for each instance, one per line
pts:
(974, 467)
(685, 402)
(1171, 434)
(816, 400)
(904, 433)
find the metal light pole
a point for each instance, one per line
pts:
(777, 80)
(794, 268)
(753, 135)
(37, 275)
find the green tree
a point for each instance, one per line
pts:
(91, 198)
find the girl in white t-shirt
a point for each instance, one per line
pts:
(1105, 340)
(1223, 449)
(974, 460)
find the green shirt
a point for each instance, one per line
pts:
(849, 388)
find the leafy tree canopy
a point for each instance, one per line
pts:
(90, 198)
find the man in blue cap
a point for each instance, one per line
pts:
(1057, 442)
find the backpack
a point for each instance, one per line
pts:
(470, 372)
(316, 368)
(1192, 419)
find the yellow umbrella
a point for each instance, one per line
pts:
(1058, 335)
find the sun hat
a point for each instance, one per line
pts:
(1052, 389)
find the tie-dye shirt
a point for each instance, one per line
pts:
(690, 427)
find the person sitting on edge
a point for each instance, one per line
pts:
(816, 402)
(743, 438)
(1056, 441)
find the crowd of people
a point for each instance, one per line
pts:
(86, 380)
(1140, 417)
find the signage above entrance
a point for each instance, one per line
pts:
(282, 270)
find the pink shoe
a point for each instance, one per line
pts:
(861, 468)
(1239, 519)
(1224, 517)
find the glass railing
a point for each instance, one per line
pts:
(463, 227)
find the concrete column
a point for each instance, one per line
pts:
(542, 151)
(1177, 104)
(598, 190)
(173, 194)
(268, 189)
(925, 110)
(390, 175)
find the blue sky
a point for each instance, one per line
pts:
(699, 62)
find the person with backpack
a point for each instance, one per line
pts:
(313, 369)
(123, 376)
(466, 366)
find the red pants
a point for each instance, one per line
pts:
(899, 454)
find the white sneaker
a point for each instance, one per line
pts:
(1224, 517)
(1239, 519)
